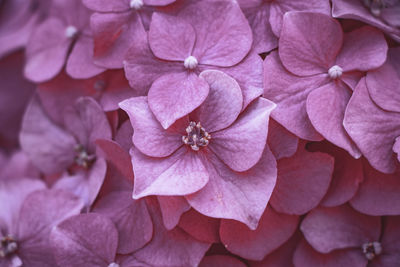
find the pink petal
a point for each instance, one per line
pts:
(180, 174)
(302, 181)
(290, 93)
(383, 83)
(50, 148)
(172, 209)
(352, 78)
(221, 260)
(149, 137)
(233, 195)
(328, 229)
(86, 239)
(187, 88)
(390, 242)
(309, 42)
(325, 108)
(363, 122)
(223, 103)
(273, 230)
(378, 195)
(106, 5)
(80, 62)
(282, 143)
(131, 218)
(47, 50)
(158, 2)
(242, 144)
(229, 41)
(363, 49)
(124, 135)
(171, 38)
(203, 228)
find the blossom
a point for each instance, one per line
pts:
(312, 76)
(215, 157)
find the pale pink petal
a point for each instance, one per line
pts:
(172, 209)
(187, 88)
(180, 174)
(221, 260)
(273, 230)
(242, 144)
(107, 5)
(352, 78)
(232, 195)
(203, 228)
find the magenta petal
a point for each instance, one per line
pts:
(49, 147)
(221, 260)
(223, 103)
(325, 108)
(171, 209)
(328, 229)
(363, 122)
(130, 217)
(390, 241)
(273, 230)
(171, 38)
(47, 51)
(379, 194)
(180, 174)
(175, 95)
(290, 93)
(80, 62)
(240, 196)
(309, 42)
(282, 143)
(242, 144)
(363, 49)
(229, 41)
(306, 256)
(149, 137)
(85, 240)
(106, 5)
(302, 181)
(203, 228)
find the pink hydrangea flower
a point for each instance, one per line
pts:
(216, 156)
(312, 76)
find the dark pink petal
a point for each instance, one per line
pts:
(170, 248)
(328, 229)
(273, 230)
(309, 42)
(240, 196)
(80, 62)
(158, 2)
(364, 123)
(171, 38)
(223, 103)
(363, 49)
(107, 6)
(282, 143)
(325, 108)
(201, 227)
(383, 83)
(130, 217)
(221, 260)
(306, 256)
(149, 137)
(175, 95)
(49, 147)
(242, 144)
(290, 93)
(379, 194)
(47, 50)
(171, 209)
(302, 181)
(179, 174)
(86, 239)
(230, 39)
(391, 243)
(124, 136)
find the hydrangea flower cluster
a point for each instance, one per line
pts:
(175, 133)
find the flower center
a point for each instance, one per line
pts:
(71, 31)
(335, 72)
(82, 158)
(136, 4)
(371, 249)
(196, 136)
(8, 246)
(190, 62)
(113, 264)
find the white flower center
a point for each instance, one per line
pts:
(71, 31)
(113, 264)
(371, 249)
(8, 246)
(196, 136)
(136, 4)
(190, 62)
(335, 72)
